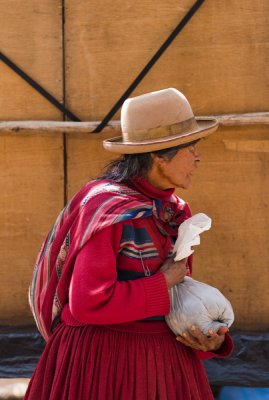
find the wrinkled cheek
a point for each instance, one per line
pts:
(161, 172)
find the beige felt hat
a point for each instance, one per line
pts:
(156, 121)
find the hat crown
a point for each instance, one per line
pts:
(153, 110)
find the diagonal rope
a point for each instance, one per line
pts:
(38, 88)
(149, 65)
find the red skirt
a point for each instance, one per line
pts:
(133, 361)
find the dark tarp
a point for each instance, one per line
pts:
(21, 347)
(247, 366)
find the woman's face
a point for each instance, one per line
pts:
(177, 172)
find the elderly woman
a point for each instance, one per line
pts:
(100, 288)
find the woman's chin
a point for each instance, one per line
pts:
(186, 184)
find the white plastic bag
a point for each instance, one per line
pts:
(193, 302)
(199, 304)
(188, 235)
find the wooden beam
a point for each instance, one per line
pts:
(59, 127)
(260, 118)
(113, 128)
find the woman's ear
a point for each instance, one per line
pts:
(157, 160)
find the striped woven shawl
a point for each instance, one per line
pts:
(96, 206)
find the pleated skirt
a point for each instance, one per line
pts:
(132, 361)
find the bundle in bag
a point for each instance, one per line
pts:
(199, 304)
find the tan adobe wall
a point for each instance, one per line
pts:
(219, 61)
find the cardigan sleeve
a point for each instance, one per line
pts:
(95, 295)
(224, 351)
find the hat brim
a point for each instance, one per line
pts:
(205, 127)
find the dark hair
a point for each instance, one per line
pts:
(131, 165)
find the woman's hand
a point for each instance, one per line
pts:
(197, 340)
(174, 271)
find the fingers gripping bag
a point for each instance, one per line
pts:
(193, 302)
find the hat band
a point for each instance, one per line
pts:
(162, 131)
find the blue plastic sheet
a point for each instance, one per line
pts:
(242, 393)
